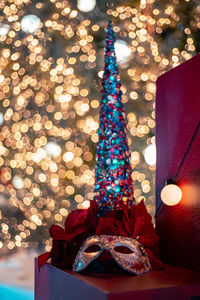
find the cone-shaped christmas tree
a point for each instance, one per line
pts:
(113, 182)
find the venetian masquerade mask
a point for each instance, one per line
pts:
(135, 261)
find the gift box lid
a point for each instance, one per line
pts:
(173, 283)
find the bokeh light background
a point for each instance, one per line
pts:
(51, 65)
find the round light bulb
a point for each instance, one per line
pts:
(122, 51)
(150, 155)
(53, 149)
(18, 182)
(171, 194)
(68, 156)
(86, 5)
(30, 23)
(1, 118)
(4, 28)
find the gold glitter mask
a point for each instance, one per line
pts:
(135, 261)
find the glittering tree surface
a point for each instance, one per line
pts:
(113, 182)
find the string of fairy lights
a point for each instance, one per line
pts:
(51, 65)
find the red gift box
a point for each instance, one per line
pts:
(173, 283)
(177, 117)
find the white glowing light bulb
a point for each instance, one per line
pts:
(86, 5)
(68, 156)
(171, 194)
(150, 155)
(18, 182)
(30, 23)
(122, 51)
(1, 118)
(4, 28)
(53, 149)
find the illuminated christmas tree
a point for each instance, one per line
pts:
(113, 182)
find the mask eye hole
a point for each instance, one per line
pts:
(123, 249)
(92, 248)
